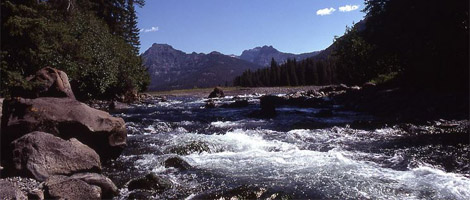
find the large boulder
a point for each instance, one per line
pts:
(65, 118)
(39, 155)
(62, 187)
(49, 82)
(268, 105)
(217, 92)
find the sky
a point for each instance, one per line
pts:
(231, 26)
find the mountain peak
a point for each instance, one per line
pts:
(263, 55)
(161, 46)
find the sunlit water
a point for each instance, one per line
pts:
(285, 156)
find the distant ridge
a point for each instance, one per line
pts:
(171, 69)
(263, 55)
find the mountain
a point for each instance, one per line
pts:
(262, 55)
(173, 69)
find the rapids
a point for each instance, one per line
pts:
(292, 156)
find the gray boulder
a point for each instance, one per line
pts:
(65, 118)
(49, 82)
(62, 187)
(108, 189)
(39, 155)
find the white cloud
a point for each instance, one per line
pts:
(325, 11)
(153, 29)
(348, 8)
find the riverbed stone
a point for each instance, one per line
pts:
(150, 182)
(108, 188)
(177, 162)
(10, 191)
(39, 155)
(62, 187)
(65, 118)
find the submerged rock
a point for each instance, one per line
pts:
(236, 104)
(242, 192)
(62, 187)
(217, 92)
(177, 162)
(66, 118)
(141, 194)
(116, 105)
(189, 148)
(150, 182)
(210, 104)
(324, 113)
(40, 155)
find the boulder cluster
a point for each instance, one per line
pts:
(307, 99)
(49, 137)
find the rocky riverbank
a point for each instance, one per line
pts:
(387, 104)
(53, 146)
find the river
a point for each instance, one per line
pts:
(295, 155)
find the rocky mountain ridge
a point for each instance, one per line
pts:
(263, 55)
(171, 69)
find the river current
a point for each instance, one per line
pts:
(295, 155)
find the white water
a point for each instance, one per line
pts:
(329, 163)
(249, 157)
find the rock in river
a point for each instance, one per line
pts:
(150, 182)
(216, 93)
(40, 155)
(177, 162)
(65, 118)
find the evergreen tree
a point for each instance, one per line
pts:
(131, 29)
(72, 36)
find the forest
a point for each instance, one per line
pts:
(96, 42)
(419, 44)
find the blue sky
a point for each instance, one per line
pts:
(231, 26)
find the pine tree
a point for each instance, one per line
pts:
(131, 34)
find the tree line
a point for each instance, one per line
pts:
(291, 73)
(420, 44)
(96, 42)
